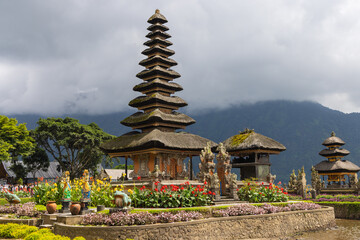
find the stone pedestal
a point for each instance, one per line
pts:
(65, 207)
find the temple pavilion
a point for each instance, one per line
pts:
(155, 139)
(334, 167)
(251, 152)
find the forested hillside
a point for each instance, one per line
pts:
(300, 126)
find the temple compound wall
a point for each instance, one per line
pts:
(238, 227)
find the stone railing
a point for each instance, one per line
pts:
(238, 227)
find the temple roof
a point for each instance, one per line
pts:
(250, 140)
(158, 71)
(159, 60)
(158, 50)
(333, 140)
(157, 83)
(336, 166)
(157, 18)
(156, 139)
(334, 152)
(157, 98)
(159, 34)
(158, 116)
(157, 26)
(159, 41)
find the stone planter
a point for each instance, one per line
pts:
(100, 208)
(51, 207)
(75, 208)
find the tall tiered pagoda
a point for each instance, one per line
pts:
(251, 152)
(334, 167)
(155, 140)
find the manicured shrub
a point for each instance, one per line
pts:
(12, 230)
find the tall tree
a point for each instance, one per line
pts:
(39, 160)
(75, 146)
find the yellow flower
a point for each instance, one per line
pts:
(130, 191)
(55, 184)
(124, 174)
(37, 196)
(98, 189)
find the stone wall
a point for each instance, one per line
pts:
(238, 227)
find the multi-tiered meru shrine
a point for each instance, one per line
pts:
(154, 140)
(335, 168)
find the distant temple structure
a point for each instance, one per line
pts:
(155, 140)
(334, 168)
(251, 152)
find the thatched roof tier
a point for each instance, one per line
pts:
(334, 152)
(158, 26)
(158, 60)
(158, 41)
(158, 71)
(157, 98)
(157, 18)
(336, 166)
(180, 141)
(158, 34)
(157, 83)
(158, 50)
(141, 118)
(250, 140)
(333, 140)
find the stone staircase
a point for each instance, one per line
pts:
(226, 200)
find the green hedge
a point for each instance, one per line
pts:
(20, 231)
(23, 200)
(349, 210)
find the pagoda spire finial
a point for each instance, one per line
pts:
(333, 134)
(157, 11)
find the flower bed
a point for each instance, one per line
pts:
(142, 218)
(253, 192)
(185, 195)
(337, 198)
(21, 210)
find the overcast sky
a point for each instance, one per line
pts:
(59, 57)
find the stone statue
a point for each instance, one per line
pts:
(156, 175)
(206, 165)
(316, 182)
(11, 198)
(301, 183)
(224, 169)
(86, 188)
(270, 178)
(67, 187)
(293, 181)
(121, 200)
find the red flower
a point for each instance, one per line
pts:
(279, 183)
(138, 178)
(156, 183)
(195, 195)
(209, 192)
(237, 189)
(205, 182)
(248, 184)
(249, 189)
(187, 183)
(285, 193)
(182, 188)
(262, 183)
(156, 190)
(170, 195)
(178, 195)
(213, 193)
(192, 192)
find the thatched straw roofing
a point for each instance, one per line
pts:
(156, 115)
(157, 70)
(156, 139)
(158, 33)
(336, 166)
(157, 98)
(333, 140)
(157, 18)
(157, 26)
(157, 83)
(334, 152)
(158, 50)
(157, 40)
(159, 60)
(250, 140)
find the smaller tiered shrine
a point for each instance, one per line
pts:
(335, 169)
(251, 152)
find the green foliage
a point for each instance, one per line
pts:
(259, 193)
(14, 139)
(75, 146)
(122, 166)
(44, 192)
(39, 160)
(12, 230)
(23, 200)
(102, 193)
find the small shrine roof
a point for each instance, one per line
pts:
(157, 116)
(336, 166)
(156, 139)
(333, 140)
(157, 40)
(250, 140)
(158, 33)
(157, 18)
(334, 152)
(158, 59)
(158, 50)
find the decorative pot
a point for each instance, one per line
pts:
(75, 208)
(51, 207)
